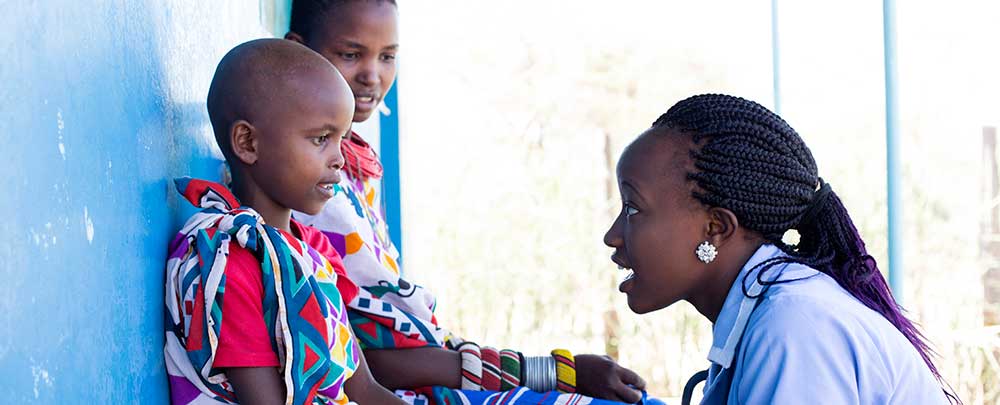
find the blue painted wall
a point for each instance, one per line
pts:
(101, 103)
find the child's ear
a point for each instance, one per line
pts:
(244, 142)
(294, 36)
(721, 226)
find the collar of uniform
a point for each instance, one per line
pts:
(735, 313)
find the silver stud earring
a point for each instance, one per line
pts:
(706, 252)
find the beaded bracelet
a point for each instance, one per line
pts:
(452, 342)
(510, 369)
(491, 368)
(472, 366)
(565, 370)
(540, 373)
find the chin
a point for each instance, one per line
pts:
(363, 116)
(311, 210)
(640, 307)
(637, 306)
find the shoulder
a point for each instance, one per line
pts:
(243, 271)
(809, 322)
(813, 306)
(814, 320)
(798, 338)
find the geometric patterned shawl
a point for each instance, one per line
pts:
(303, 309)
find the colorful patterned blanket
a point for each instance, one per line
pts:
(305, 315)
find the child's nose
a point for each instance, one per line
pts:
(336, 161)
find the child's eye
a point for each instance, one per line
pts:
(320, 140)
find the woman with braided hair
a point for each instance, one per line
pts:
(707, 195)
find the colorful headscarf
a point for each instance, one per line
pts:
(303, 310)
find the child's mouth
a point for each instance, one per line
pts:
(326, 189)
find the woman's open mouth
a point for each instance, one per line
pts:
(627, 280)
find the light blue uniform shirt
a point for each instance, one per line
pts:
(810, 341)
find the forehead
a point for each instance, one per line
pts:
(365, 19)
(319, 92)
(657, 162)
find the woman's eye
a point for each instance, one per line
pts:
(349, 55)
(630, 210)
(387, 57)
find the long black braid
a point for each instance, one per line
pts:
(750, 161)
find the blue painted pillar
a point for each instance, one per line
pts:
(389, 145)
(893, 172)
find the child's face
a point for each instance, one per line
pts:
(298, 143)
(660, 224)
(360, 39)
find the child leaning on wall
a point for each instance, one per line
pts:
(394, 319)
(255, 300)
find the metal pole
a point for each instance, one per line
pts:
(389, 148)
(775, 58)
(893, 172)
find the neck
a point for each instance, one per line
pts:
(252, 196)
(720, 279)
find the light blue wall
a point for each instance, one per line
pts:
(101, 103)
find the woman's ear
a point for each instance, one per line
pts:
(243, 139)
(721, 226)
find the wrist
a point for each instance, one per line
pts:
(540, 373)
(565, 370)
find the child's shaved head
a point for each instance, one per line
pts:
(279, 111)
(256, 77)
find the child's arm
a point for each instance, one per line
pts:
(363, 389)
(257, 385)
(417, 367)
(263, 386)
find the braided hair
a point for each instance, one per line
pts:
(307, 15)
(751, 162)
